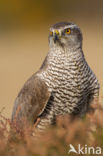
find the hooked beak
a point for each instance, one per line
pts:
(56, 36)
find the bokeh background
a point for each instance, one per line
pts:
(24, 27)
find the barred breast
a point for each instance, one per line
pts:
(71, 82)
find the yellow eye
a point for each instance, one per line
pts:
(68, 31)
(51, 33)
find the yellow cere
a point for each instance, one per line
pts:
(57, 32)
(68, 31)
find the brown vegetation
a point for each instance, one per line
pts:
(55, 141)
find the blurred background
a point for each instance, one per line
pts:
(24, 27)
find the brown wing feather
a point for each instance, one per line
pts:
(31, 100)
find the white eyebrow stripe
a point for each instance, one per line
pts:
(65, 27)
(70, 26)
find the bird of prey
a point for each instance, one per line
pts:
(65, 84)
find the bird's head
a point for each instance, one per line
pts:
(65, 34)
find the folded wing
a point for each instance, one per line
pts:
(31, 101)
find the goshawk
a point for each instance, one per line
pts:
(65, 84)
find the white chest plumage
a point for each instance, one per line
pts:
(67, 77)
